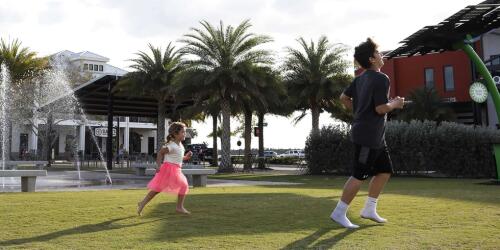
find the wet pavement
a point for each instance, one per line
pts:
(96, 180)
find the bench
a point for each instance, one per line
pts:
(14, 164)
(199, 176)
(140, 167)
(28, 177)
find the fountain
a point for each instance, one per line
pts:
(51, 85)
(58, 88)
(4, 87)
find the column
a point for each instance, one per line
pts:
(126, 135)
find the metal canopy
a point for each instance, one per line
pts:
(93, 97)
(473, 20)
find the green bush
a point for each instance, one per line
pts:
(330, 151)
(451, 149)
(283, 160)
(237, 159)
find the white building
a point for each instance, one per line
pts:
(136, 135)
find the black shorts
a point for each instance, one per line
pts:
(370, 162)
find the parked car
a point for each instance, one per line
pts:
(270, 154)
(293, 153)
(197, 150)
(207, 155)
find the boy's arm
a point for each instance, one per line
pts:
(397, 103)
(346, 101)
(380, 97)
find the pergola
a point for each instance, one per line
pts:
(458, 32)
(96, 97)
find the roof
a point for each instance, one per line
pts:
(473, 20)
(93, 98)
(116, 70)
(87, 55)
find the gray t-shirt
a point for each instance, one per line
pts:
(368, 90)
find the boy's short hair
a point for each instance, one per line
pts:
(363, 52)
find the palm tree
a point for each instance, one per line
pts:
(310, 76)
(334, 106)
(21, 62)
(224, 57)
(426, 105)
(203, 106)
(154, 76)
(274, 94)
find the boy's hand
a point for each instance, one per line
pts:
(398, 102)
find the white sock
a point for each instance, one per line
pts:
(370, 211)
(339, 215)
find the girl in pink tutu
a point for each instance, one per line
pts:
(169, 177)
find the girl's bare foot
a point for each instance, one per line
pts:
(139, 208)
(182, 211)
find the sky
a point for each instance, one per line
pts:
(119, 28)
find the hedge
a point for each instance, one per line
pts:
(448, 148)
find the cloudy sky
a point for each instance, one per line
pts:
(117, 29)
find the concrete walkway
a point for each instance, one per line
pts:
(96, 180)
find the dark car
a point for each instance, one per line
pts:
(196, 147)
(198, 152)
(207, 155)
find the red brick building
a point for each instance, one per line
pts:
(450, 73)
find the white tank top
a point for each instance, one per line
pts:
(175, 153)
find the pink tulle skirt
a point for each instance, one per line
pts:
(169, 179)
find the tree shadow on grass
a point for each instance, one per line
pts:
(246, 214)
(83, 229)
(446, 188)
(325, 243)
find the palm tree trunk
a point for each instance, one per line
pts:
(160, 136)
(248, 140)
(226, 165)
(261, 140)
(215, 138)
(315, 119)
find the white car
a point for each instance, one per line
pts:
(270, 154)
(293, 153)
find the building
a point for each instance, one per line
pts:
(450, 73)
(136, 135)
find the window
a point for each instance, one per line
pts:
(449, 82)
(495, 59)
(101, 68)
(23, 145)
(429, 77)
(86, 66)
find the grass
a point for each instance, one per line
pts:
(423, 213)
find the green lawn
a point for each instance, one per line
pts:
(423, 213)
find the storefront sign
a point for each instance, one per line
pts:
(103, 132)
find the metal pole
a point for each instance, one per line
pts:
(490, 85)
(118, 140)
(109, 139)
